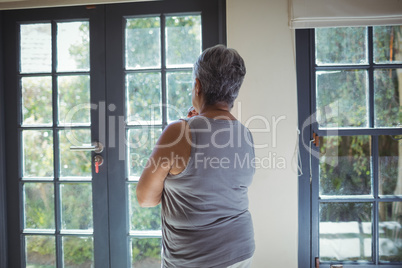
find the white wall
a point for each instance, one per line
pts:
(258, 30)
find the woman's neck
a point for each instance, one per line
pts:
(218, 110)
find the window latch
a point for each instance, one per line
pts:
(316, 139)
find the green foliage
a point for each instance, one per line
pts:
(143, 218)
(141, 144)
(388, 165)
(179, 88)
(37, 100)
(74, 163)
(342, 98)
(346, 212)
(80, 51)
(146, 252)
(73, 91)
(39, 205)
(388, 110)
(386, 44)
(179, 28)
(76, 206)
(341, 45)
(43, 245)
(345, 165)
(78, 251)
(144, 97)
(38, 153)
(143, 44)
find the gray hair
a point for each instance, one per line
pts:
(221, 72)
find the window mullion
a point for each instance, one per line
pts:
(316, 202)
(163, 70)
(313, 107)
(371, 77)
(374, 149)
(374, 176)
(59, 251)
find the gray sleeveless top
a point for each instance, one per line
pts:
(205, 217)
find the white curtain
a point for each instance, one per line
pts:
(23, 4)
(331, 13)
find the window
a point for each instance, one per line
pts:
(350, 97)
(114, 74)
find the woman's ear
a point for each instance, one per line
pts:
(197, 87)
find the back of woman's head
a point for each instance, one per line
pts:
(220, 71)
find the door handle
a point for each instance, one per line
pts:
(96, 147)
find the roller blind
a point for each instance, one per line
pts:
(23, 4)
(332, 13)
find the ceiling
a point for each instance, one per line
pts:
(24, 4)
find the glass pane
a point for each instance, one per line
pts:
(36, 100)
(387, 97)
(345, 232)
(76, 206)
(74, 99)
(143, 43)
(183, 40)
(387, 44)
(342, 99)
(39, 205)
(75, 163)
(345, 165)
(73, 46)
(142, 218)
(38, 153)
(144, 98)
(78, 252)
(40, 251)
(390, 220)
(340, 46)
(36, 48)
(140, 145)
(146, 252)
(179, 88)
(390, 166)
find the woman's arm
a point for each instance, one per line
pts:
(171, 147)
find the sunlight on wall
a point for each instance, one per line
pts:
(259, 30)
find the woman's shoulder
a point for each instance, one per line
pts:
(175, 129)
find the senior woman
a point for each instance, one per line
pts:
(200, 170)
